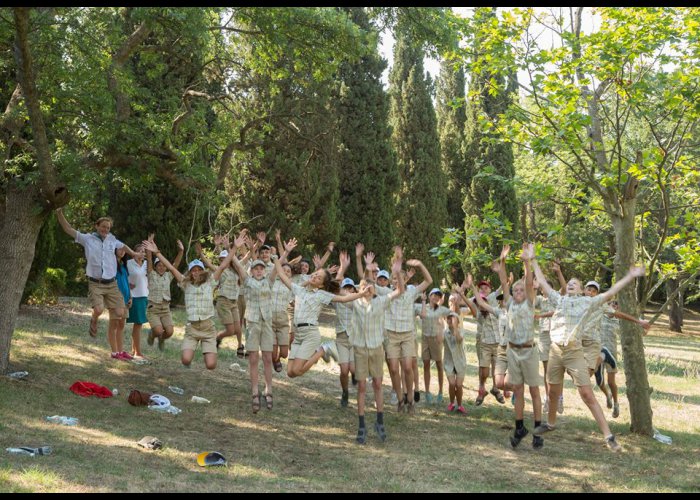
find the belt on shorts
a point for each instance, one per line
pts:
(300, 325)
(519, 346)
(101, 282)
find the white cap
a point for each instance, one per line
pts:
(156, 261)
(383, 274)
(223, 254)
(346, 282)
(436, 290)
(159, 400)
(593, 283)
(195, 262)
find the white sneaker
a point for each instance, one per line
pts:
(560, 405)
(394, 399)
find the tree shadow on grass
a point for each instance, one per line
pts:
(306, 443)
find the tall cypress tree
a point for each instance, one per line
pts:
(421, 199)
(451, 119)
(368, 173)
(489, 95)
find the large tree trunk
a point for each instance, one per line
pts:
(630, 333)
(19, 229)
(675, 306)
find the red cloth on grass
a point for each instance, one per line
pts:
(86, 389)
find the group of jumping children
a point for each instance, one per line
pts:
(279, 301)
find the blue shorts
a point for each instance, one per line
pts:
(137, 312)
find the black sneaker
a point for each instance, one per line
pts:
(361, 435)
(381, 432)
(416, 396)
(344, 400)
(537, 442)
(518, 436)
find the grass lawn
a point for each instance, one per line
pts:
(306, 443)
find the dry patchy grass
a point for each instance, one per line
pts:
(306, 443)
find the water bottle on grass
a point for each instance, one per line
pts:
(32, 452)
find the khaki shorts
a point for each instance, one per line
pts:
(432, 349)
(280, 328)
(487, 352)
(400, 345)
(106, 296)
(260, 336)
(591, 352)
(544, 344)
(454, 367)
(369, 362)
(524, 366)
(290, 316)
(613, 351)
(200, 331)
(501, 360)
(227, 310)
(345, 352)
(159, 315)
(567, 359)
(307, 340)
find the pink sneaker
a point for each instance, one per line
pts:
(462, 410)
(125, 356)
(115, 355)
(451, 407)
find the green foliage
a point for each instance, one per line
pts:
(421, 205)
(368, 175)
(51, 285)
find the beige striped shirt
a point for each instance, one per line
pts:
(591, 329)
(487, 324)
(308, 303)
(431, 323)
(570, 313)
(281, 296)
(543, 305)
(399, 316)
(159, 287)
(199, 300)
(228, 284)
(368, 321)
(343, 317)
(609, 330)
(258, 299)
(520, 323)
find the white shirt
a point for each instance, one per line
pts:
(138, 275)
(101, 261)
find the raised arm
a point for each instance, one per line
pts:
(278, 240)
(149, 256)
(427, 279)
(544, 285)
(499, 267)
(64, 223)
(359, 250)
(203, 258)
(401, 286)
(285, 279)
(560, 276)
(288, 247)
(526, 256)
(222, 267)
(628, 317)
(326, 256)
(344, 264)
(467, 284)
(482, 303)
(180, 253)
(153, 248)
(634, 272)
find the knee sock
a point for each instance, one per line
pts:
(380, 417)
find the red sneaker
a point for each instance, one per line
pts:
(462, 410)
(451, 407)
(125, 356)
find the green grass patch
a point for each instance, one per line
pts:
(306, 443)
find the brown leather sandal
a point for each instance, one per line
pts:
(256, 403)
